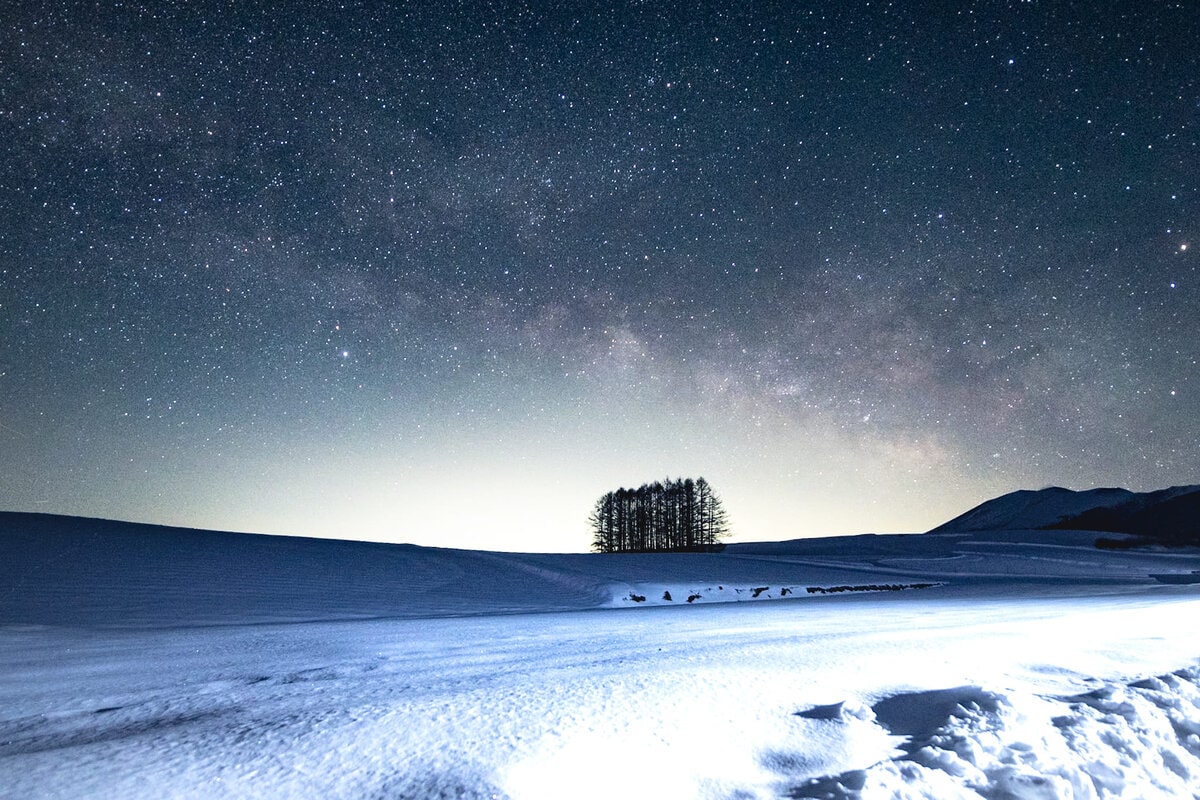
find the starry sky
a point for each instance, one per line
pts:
(445, 273)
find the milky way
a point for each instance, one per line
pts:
(446, 273)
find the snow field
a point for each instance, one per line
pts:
(905, 694)
(157, 663)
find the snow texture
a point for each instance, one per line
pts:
(1133, 740)
(151, 663)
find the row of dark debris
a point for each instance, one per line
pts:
(785, 591)
(869, 587)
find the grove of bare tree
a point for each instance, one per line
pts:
(677, 515)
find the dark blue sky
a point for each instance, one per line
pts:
(446, 273)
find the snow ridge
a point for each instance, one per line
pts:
(1135, 740)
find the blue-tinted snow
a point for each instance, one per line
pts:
(70, 571)
(141, 662)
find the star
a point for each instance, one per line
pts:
(605, 246)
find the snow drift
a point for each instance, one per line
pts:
(1140, 739)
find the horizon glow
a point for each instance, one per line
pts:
(446, 275)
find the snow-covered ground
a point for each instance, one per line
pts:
(1030, 666)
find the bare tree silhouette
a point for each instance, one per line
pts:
(671, 515)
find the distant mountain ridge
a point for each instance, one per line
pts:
(1169, 516)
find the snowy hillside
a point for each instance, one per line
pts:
(145, 662)
(1034, 509)
(72, 571)
(1169, 515)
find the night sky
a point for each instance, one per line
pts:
(447, 272)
